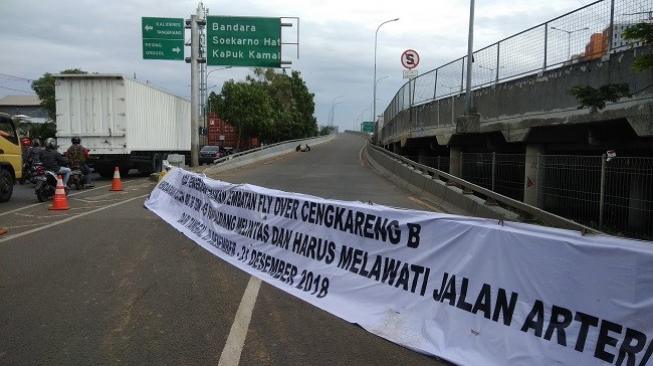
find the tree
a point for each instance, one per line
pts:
(641, 32)
(247, 107)
(596, 98)
(44, 88)
(283, 106)
(325, 130)
(41, 131)
(294, 105)
(305, 104)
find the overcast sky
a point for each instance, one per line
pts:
(336, 50)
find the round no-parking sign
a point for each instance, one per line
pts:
(410, 59)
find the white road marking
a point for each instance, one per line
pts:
(70, 195)
(236, 340)
(15, 236)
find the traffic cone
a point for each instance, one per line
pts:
(3, 231)
(116, 184)
(59, 202)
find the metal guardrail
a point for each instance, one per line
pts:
(587, 33)
(527, 212)
(250, 151)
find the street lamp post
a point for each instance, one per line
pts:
(208, 99)
(492, 70)
(569, 32)
(486, 68)
(376, 37)
(333, 105)
(360, 116)
(470, 60)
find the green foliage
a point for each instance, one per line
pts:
(595, 99)
(268, 104)
(246, 106)
(44, 88)
(325, 130)
(643, 62)
(641, 32)
(41, 131)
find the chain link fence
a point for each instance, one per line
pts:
(501, 173)
(587, 33)
(615, 196)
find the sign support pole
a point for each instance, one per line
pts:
(194, 98)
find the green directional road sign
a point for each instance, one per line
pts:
(367, 127)
(163, 38)
(244, 41)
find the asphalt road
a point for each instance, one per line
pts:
(24, 193)
(108, 282)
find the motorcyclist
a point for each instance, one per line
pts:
(77, 155)
(32, 154)
(53, 161)
(26, 145)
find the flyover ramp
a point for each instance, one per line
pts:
(336, 170)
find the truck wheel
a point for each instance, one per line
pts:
(6, 185)
(158, 163)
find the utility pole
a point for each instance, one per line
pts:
(470, 60)
(202, 13)
(194, 98)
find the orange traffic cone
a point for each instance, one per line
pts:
(59, 202)
(3, 231)
(116, 184)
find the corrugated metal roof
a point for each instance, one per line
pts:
(20, 100)
(95, 75)
(115, 76)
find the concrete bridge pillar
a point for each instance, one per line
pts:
(533, 174)
(455, 159)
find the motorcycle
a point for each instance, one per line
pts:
(46, 183)
(76, 179)
(29, 173)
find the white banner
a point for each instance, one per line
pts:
(468, 290)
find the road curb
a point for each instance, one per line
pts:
(263, 154)
(450, 198)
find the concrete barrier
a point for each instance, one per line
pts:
(262, 153)
(450, 198)
(459, 196)
(176, 160)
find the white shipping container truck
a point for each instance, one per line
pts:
(123, 122)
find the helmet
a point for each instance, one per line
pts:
(76, 140)
(51, 143)
(36, 143)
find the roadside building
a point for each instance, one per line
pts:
(597, 46)
(618, 40)
(25, 107)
